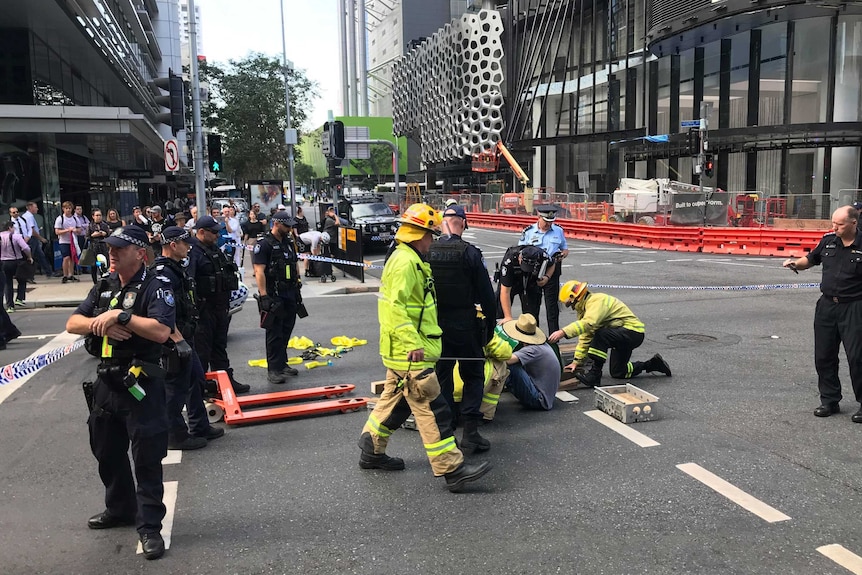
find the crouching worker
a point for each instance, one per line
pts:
(534, 370)
(604, 323)
(410, 345)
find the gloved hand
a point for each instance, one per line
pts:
(264, 303)
(184, 350)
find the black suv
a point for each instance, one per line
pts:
(376, 219)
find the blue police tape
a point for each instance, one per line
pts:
(331, 260)
(34, 363)
(710, 288)
(337, 261)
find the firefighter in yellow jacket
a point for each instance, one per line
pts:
(409, 347)
(497, 351)
(604, 323)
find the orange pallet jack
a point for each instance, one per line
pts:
(232, 406)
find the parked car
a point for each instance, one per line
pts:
(376, 219)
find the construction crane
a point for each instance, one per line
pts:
(489, 162)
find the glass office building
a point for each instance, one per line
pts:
(78, 115)
(588, 80)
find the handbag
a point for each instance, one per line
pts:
(26, 271)
(87, 258)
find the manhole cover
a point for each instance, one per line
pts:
(697, 337)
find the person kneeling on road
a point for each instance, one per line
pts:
(534, 370)
(604, 323)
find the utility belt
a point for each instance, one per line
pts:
(836, 299)
(114, 369)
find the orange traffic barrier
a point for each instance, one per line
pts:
(788, 243)
(682, 239)
(731, 241)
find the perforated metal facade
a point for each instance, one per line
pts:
(448, 91)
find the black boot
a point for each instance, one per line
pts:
(466, 472)
(380, 461)
(471, 441)
(657, 363)
(237, 386)
(592, 374)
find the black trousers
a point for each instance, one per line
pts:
(176, 392)
(531, 299)
(462, 343)
(9, 269)
(551, 293)
(278, 335)
(622, 342)
(834, 324)
(211, 336)
(195, 408)
(117, 421)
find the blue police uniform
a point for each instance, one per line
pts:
(117, 417)
(282, 287)
(552, 242)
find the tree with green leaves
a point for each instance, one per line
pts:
(246, 106)
(378, 164)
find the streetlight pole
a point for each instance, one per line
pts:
(289, 133)
(197, 132)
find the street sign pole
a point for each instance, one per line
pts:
(197, 133)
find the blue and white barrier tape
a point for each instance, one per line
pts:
(342, 262)
(709, 288)
(34, 363)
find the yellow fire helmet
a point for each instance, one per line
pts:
(416, 220)
(572, 291)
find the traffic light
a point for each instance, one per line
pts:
(173, 101)
(693, 142)
(337, 138)
(214, 153)
(708, 165)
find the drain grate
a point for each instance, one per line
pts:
(696, 337)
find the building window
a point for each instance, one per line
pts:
(810, 71)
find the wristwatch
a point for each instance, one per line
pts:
(124, 318)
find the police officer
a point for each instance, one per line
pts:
(278, 284)
(127, 317)
(461, 281)
(838, 315)
(185, 374)
(521, 268)
(215, 277)
(550, 237)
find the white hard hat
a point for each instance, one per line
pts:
(324, 237)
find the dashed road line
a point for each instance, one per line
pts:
(639, 262)
(170, 501)
(735, 494)
(635, 437)
(843, 557)
(681, 260)
(597, 264)
(174, 456)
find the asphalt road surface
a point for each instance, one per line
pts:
(735, 476)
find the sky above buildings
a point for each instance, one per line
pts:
(234, 28)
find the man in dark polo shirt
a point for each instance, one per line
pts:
(838, 315)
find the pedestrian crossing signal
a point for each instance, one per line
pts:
(214, 152)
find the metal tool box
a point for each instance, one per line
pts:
(627, 403)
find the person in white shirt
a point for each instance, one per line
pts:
(234, 231)
(37, 240)
(20, 224)
(66, 228)
(191, 223)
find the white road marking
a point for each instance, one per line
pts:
(173, 456)
(61, 340)
(45, 336)
(727, 263)
(843, 557)
(170, 501)
(682, 260)
(598, 264)
(735, 494)
(635, 437)
(639, 262)
(566, 397)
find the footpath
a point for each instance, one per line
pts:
(52, 292)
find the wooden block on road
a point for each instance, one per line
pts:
(377, 387)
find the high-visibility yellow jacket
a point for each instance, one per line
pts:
(406, 295)
(595, 311)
